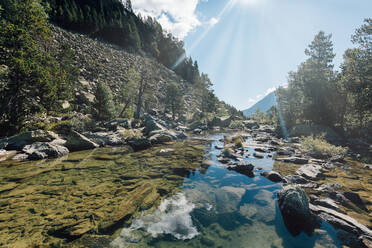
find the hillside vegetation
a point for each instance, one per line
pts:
(102, 73)
(319, 95)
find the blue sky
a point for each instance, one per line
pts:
(247, 47)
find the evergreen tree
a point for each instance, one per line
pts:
(173, 100)
(103, 107)
(38, 81)
(129, 91)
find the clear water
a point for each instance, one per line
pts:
(221, 208)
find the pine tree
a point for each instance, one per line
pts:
(103, 107)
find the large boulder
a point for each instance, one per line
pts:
(294, 206)
(272, 176)
(242, 167)
(251, 124)
(118, 123)
(310, 171)
(151, 124)
(78, 142)
(42, 150)
(160, 138)
(106, 138)
(220, 121)
(19, 141)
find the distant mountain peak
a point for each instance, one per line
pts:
(264, 104)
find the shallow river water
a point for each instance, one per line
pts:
(220, 208)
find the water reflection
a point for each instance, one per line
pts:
(222, 208)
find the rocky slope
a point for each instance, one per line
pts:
(100, 61)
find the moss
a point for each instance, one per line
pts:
(88, 189)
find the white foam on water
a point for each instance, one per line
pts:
(172, 217)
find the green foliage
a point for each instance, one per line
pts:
(127, 94)
(238, 142)
(318, 147)
(316, 94)
(36, 80)
(103, 106)
(174, 100)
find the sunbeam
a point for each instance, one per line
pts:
(228, 6)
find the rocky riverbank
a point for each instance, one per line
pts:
(335, 189)
(84, 198)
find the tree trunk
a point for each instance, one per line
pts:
(123, 110)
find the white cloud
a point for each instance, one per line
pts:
(213, 21)
(176, 17)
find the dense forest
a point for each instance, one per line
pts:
(36, 78)
(317, 94)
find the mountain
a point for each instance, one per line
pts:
(264, 104)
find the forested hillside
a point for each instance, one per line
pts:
(49, 71)
(317, 94)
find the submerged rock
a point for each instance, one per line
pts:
(295, 210)
(140, 144)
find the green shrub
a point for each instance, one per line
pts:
(227, 152)
(318, 147)
(238, 142)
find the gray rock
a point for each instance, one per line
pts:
(218, 147)
(340, 220)
(325, 202)
(220, 121)
(330, 187)
(161, 138)
(293, 160)
(339, 159)
(19, 141)
(258, 155)
(115, 124)
(165, 151)
(285, 152)
(197, 131)
(20, 157)
(368, 167)
(42, 150)
(78, 142)
(310, 171)
(106, 138)
(355, 198)
(295, 210)
(181, 135)
(242, 167)
(261, 149)
(272, 176)
(295, 180)
(251, 124)
(151, 124)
